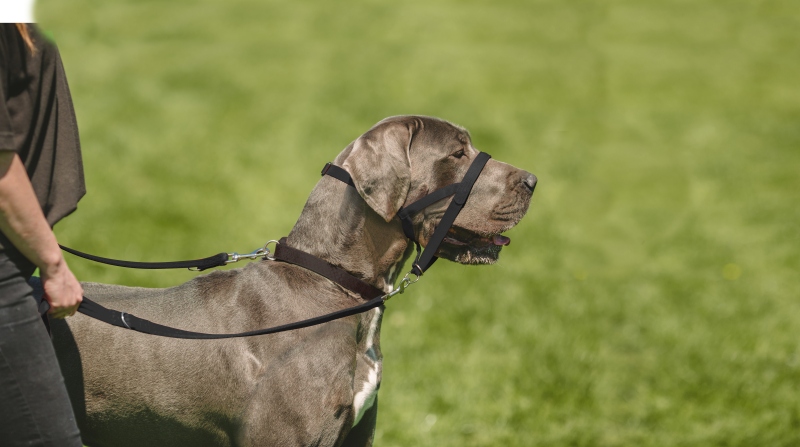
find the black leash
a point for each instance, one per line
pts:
(282, 253)
(132, 322)
(425, 258)
(217, 260)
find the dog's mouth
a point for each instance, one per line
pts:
(460, 236)
(468, 247)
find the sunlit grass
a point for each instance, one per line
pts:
(650, 298)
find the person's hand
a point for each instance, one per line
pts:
(61, 289)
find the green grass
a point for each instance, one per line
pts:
(650, 298)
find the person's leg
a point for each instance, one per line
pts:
(34, 406)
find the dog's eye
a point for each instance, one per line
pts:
(458, 154)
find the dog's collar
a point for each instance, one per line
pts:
(321, 267)
(461, 190)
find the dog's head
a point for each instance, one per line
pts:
(403, 158)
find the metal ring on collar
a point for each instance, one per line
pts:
(268, 252)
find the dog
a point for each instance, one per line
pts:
(310, 387)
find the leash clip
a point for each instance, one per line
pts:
(236, 257)
(262, 252)
(404, 284)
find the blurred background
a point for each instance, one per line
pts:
(651, 297)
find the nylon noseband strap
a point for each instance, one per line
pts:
(461, 190)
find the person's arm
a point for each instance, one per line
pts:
(24, 224)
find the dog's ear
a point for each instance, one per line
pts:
(380, 167)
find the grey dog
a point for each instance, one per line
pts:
(310, 387)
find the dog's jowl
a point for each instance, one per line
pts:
(315, 386)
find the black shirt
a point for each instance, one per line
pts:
(37, 120)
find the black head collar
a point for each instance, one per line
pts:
(461, 190)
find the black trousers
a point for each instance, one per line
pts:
(34, 407)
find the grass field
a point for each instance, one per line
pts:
(650, 298)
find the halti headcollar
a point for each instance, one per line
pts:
(461, 190)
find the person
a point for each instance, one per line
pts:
(41, 181)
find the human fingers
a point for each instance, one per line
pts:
(63, 292)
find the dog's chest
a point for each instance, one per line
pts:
(367, 378)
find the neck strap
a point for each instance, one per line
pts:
(288, 254)
(461, 190)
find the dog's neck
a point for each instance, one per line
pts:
(338, 226)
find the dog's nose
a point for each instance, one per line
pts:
(529, 181)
